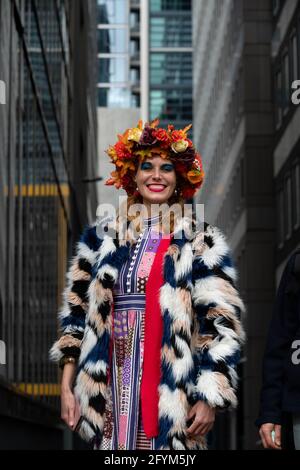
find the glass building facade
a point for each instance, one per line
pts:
(171, 79)
(170, 58)
(38, 202)
(36, 199)
(118, 53)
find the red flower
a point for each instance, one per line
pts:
(161, 135)
(148, 136)
(177, 135)
(121, 151)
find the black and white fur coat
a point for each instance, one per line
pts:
(202, 331)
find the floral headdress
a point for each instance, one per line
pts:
(139, 143)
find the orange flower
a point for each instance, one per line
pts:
(110, 182)
(194, 176)
(187, 128)
(177, 135)
(154, 123)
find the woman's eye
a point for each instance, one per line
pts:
(146, 166)
(168, 167)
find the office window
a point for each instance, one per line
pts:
(171, 105)
(162, 5)
(174, 31)
(134, 47)
(296, 195)
(112, 11)
(294, 56)
(288, 207)
(113, 40)
(280, 218)
(112, 69)
(278, 98)
(275, 6)
(134, 20)
(114, 97)
(135, 76)
(175, 68)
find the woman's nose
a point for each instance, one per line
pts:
(156, 174)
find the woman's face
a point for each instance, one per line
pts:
(156, 180)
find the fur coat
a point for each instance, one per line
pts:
(202, 330)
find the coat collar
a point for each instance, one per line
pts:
(113, 252)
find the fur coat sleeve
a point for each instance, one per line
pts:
(218, 308)
(75, 297)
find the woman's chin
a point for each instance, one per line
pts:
(156, 198)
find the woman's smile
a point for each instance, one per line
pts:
(156, 188)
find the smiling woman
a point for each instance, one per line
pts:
(156, 181)
(153, 322)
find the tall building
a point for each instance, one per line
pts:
(234, 131)
(170, 62)
(286, 149)
(48, 153)
(118, 53)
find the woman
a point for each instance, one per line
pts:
(151, 330)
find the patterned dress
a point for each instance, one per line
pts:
(123, 427)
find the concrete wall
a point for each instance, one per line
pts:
(110, 123)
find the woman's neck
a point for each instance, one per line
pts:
(151, 210)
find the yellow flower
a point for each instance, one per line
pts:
(179, 146)
(134, 134)
(143, 153)
(111, 152)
